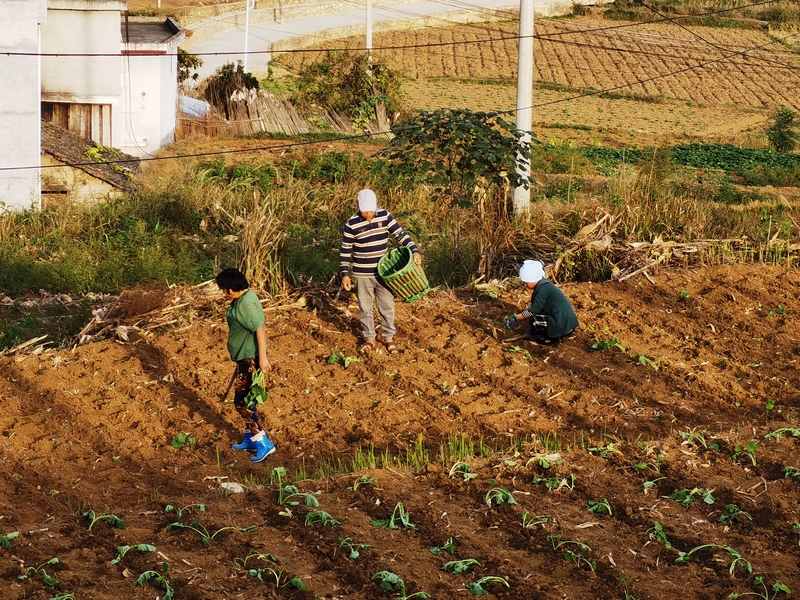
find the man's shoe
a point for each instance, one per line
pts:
(263, 447)
(246, 443)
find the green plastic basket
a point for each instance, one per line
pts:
(405, 279)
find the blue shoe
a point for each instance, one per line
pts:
(263, 448)
(247, 442)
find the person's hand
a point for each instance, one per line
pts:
(263, 363)
(347, 285)
(417, 259)
(511, 321)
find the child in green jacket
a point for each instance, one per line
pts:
(550, 315)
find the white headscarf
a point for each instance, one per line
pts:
(531, 271)
(367, 201)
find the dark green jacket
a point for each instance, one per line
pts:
(548, 300)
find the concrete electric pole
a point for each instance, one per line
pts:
(522, 196)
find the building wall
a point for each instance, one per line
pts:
(141, 107)
(19, 103)
(62, 184)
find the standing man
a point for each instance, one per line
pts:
(364, 242)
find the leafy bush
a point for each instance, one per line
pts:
(781, 134)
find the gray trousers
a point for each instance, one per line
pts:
(371, 292)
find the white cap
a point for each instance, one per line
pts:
(367, 201)
(531, 271)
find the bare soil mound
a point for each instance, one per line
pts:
(707, 373)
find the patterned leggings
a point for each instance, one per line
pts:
(244, 378)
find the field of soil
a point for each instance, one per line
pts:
(704, 371)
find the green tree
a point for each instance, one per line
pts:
(781, 134)
(187, 62)
(228, 78)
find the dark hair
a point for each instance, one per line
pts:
(231, 279)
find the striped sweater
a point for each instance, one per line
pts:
(365, 242)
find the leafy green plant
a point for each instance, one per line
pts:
(478, 588)
(687, 496)
(460, 566)
(683, 295)
(781, 134)
(5, 540)
(648, 485)
(279, 577)
(169, 508)
(123, 550)
(461, 468)
(609, 344)
(157, 579)
(698, 437)
(604, 450)
(531, 521)
(570, 554)
(256, 394)
(361, 480)
(498, 496)
(656, 533)
(320, 516)
(353, 549)
(643, 360)
(31, 571)
(183, 439)
(289, 494)
(732, 513)
(788, 472)
(758, 580)
(556, 483)
(736, 558)
(518, 350)
(545, 461)
(399, 518)
(112, 520)
(242, 562)
(600, 507)
(748, 450)
(391, 582)
(341, 357)
(64, 596)
(207, 536)
(793, 431)
(449, 546)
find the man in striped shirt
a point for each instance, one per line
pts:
(364, 242)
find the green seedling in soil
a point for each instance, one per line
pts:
(278, 576)
(289, 495)
(570, 555)
(353, 549)
(158, 579)
(461, 468)
(643, 360)
(556, 483)
(698, 437)
(242, 562)
(545, 461)
(788, 472)
(498, 496)
(779, 432)
(449, 546)
(603, 451)
(66, 596)
(604, 345)
(112, 520)
(518, 350)
(183, 439)
(657, 535)
(123, 550)
(599, 507)
(205, 535)
(684, 294)
(777, 311)
(748, 450)
(391, 582)
(647, 485)
(361, 480)
(256, 395)
(320, 516)
(531, 521)
(341, 357)
(624, 580)
(5, 540)
(736, 557)
(31, 571)
(179, 511)
(796, 527)
(399, 518)
(478, 588)
(769, 407)
(686, 496)
(777, 587)
(733, 512)
(460, 566)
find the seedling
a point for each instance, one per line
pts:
(779, 432)
(749, 451)
(341, 357)
(643, 360)
(647, 485)
(600, 507)
(5, 540)
(686, 496)
(256, 395)
(361, 480)
(205, 535)
(788, 472)
(31, 571)
(65, 596)
(353, 549)
(736, 557)
(242, 562)
(610, 344)
(278, 577)
(545, 461)
(183, 439)
(179, 511)
(531, 521)
(478, 588)
(759, 581)
(399, 518)
(112, 520)
(698, 437)
(391, 582)
(556, 483)
(796, 527)
(733, 512)
(777, 311)
(123, 550)
(499, 496)
(518, 350)
(460, 566)
(463, 469)
(684, 294)
(657, 535)
(449, 546)
(289, 494)
(158, 579)
(769, 407)
(603, 451)
(576, 557)
(320, 516)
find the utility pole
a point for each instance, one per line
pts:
(369, 30)
(522, 196)
(249, 4)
